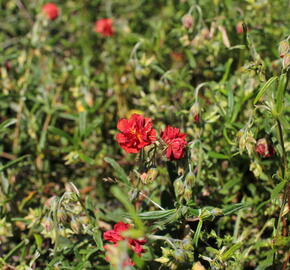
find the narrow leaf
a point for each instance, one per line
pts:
(118, 170)
(197, 233)
(264, 88)
(275, 192)
(280, 92)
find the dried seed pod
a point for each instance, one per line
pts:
(286, 61)
(284, 48)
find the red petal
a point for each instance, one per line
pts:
(123, 125)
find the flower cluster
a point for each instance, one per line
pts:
(115, 236)
(138, 132)
(103, 27)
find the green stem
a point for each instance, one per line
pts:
(22, 243)
(284, 169)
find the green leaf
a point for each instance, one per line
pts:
(98, 239)
(230, 103)
(82, 123)
(280, 93)
(227, 210)
(86, 159)
(38, 240)
(197, 232)
(5, 124)
(13, 162)
(217, 155)
(227, 70)
(278, 188)
(157, 214)
(226, 255)
(60, 133)
(118, 170)
(264, 88)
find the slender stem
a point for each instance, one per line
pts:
(23, 242)
(284, 173)
(284, 169)
(284, 155)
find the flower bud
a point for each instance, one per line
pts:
(286, 61)
(180, 171)
(239, 28)
(61, 215)
(194, 111)
(256, 169)
(189, 179)
(47, 223)
(75, 225)
(186, 243)
(198, 266)
(187, 194)
(283, 48)
(180, 255)
(178, 187)
(149, 176)
(187, 21)
(264, 149)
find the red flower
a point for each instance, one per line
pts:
(136, 245)
(264, 149)
(175, 141)
(136, 133)
(51, 11)
(104, 27)
(114, 236)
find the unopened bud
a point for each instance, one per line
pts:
(186, 243)
(286, 61)
(75, 225)
(61, 215)
(194, 111)
(180, 255)
(239, 28)
(47, 223)
(256, 169)
(189, 179)
(187, 21)
(283, 48)
(178, 187)
(187, 194)
(149, 176)
(180, 171)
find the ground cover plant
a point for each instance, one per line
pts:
(144, 134)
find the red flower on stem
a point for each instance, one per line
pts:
(50, 10)
(104, 27)
(115, 235)
(136, 133)
(264, 149)
(175, 141)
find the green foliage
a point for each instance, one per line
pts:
(217, 77)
